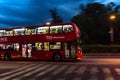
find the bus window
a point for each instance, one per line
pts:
(7, 33)
(43, 30)
(16, 46)
(55, 29)
(55, 45)
(19, 31)
(30, 31)
(33, 31)
(39, 46)
(2, 32)
(2, 46)
(46, 46)
(42, 46)
(11, 33)
(67, 28)
(10, 47)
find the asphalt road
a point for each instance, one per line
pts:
(90, 68)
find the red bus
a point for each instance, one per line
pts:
(46, 42)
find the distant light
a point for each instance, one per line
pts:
(112, 17)
(48, 23)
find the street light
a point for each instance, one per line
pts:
(48, 23)
(112, 19)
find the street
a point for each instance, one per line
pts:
(89, 68)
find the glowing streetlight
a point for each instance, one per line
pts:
(112, 19)
(48, 23)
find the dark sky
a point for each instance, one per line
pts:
(33, 12)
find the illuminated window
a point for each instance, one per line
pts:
(55, 45)
(11, 33)
(68, 28)
(7, 33)
(16, 46)
(46, 46)
(39, 46)
(2, 46)
(10, 47)
(42, 46)
(19, 31)
(55, 29)
(2, 32)
(31, 31)
(43, 30)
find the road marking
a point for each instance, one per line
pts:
(118, 71)
(108, 75)
(32, 72)
(46, 71)
(58, 70)
(16, 70)
(41, 70)
(81, 70)
(93, 72)
(70, 69)
(21, 72)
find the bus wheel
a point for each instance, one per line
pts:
(57, 57)
(7, 57)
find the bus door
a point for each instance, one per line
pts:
(27, 50)
(70, 50)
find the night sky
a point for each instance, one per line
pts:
(15, 13)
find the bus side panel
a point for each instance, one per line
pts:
(38, 55)
(2, 54)
(48, 55)
(15, 54)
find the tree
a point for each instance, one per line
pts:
(93, 21)
(55, 17)
(89, 21)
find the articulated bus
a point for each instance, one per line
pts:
(46, 42)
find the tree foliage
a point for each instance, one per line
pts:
(55, 17)
(93, 21)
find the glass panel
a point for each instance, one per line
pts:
(16, 46)
(68, 28)
(43, 30)
(42, 46)
(19, 31)
(31, 31)
(10, 47)
(39, 46)
(46, 46)
(2, 32)
(55, 29)
(7, 33)
(67, 50)
(24, 46)
(29, 50)
(70, 49)
(11, 33)
(73, 50)
(2, 46)
(55, 45)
